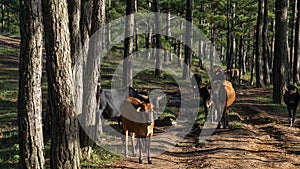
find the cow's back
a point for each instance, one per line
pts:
(230, 93)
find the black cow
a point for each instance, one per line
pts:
(291, 99)
(196, 81)
(111, 100)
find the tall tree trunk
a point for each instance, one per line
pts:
(136, 30)
(77, 59)
(148, 40)
(188, 41)
(265, 54)
(3, 16)
(179, 53)
(259, 44)
(85, 28)
(30, 89)
(252, 71)
(228, 36)
(166, 51)
(296, 67)
(108, 31)
(158, 63)
(292, 41)
(281, 49)
(65, 138)
(128, 44)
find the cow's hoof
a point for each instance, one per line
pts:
(149, 161)
(140, 161)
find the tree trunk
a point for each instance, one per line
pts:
(166, 51)
(128, 44)
(65, 139)
(259, 44)
(148, 40)
(30, 89)
(252, 71)
(179, 53)
(136, 30)
(85, 28)
(188, 41)
(158, 41)
(292, 41)
(228, 37)
(77, 59)
(3, 16)
(281, 49)
(266, 73)
(296, 67)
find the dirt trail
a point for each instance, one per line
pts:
(264, 141)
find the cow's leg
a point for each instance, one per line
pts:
(140, 151)
(126, 143)
(194, 92)
(148, 141)
(98, 126)
(294, 115)
(225, 121)
(290, 116)
(132, 144)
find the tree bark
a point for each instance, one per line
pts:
(158, 63)
(188, 41)
(30, 89)
(228, 36)
(281, 49)
(85, 30)
(128, 44)
(266, 73)
(296, 67)
(259, 44)
(292, 41)
(64, 139)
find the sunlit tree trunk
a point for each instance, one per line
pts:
(158, 40)
(188, 41)
(259, 45)
(128, 44)
(266, 73)
(64, 139)
(30, 86)
(281, 49)
(296, 67)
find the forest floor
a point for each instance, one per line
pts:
(265, 140)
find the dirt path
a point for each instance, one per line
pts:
(264, 141)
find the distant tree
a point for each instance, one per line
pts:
(30, 89)
(281, 49)
(65, 135)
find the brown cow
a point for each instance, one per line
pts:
(137, 119)
(223, 88)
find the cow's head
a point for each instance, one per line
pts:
(149, 113)
(291, 94)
